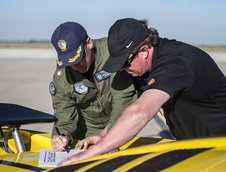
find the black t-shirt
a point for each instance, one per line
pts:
(196, 86)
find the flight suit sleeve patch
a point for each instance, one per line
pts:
(52, 88)
(101, 75)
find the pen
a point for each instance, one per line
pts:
(67, 147)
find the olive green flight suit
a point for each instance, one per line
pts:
(99, 102)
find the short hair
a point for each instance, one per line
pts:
(151, 40)
(85, 40)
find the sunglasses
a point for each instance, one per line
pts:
(129, 61)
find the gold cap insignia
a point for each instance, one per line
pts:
(62, 44)
(60, 63)
(71, 60)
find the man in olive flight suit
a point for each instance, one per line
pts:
(85, 98)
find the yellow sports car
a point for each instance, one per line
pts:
(20, 149)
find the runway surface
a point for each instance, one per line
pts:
(25, 75)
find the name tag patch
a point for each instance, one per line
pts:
(101, 75)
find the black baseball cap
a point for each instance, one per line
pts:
(68, 40)
(123, 37)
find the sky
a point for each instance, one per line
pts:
(198, 22)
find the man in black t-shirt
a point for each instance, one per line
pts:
(182, 79)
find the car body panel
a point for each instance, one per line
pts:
(206, 154)
(29, 160)
(140, 154)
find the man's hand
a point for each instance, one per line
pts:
(58, 144)
(91, 140)
(81, 156)
(77, 157)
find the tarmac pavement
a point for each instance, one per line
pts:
(25, 75)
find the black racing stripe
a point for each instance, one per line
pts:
(166, 160)
(71, 167)
(106, 166)
(114, 163)
(23, 166)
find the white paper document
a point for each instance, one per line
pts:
(50, 158)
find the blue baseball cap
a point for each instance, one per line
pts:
(68, 40)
